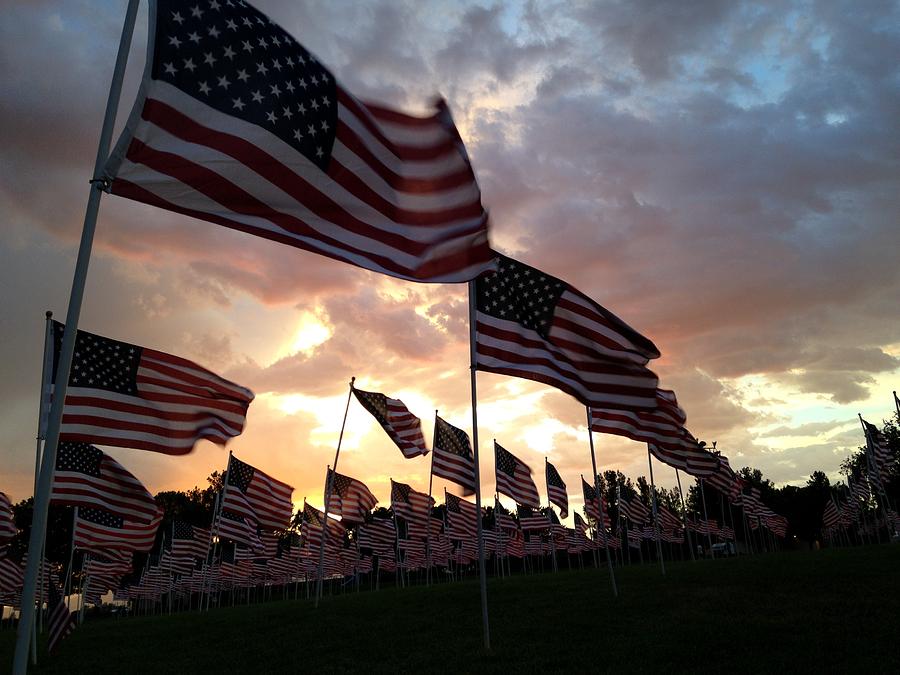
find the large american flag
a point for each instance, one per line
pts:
(238, 124)
(453, 458)
(8, 528)
(514, 478)
(349, 498)
(404, 428)
(529, 324)
(256, 495)
(86, 476)
(97, 530)
(124, 395)
(556, 490)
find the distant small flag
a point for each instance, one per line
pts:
(532, 519)
(880, 450)
(128, 396)
(350, 499)
(414, 506)
(189, 540)
(556, 490)
(97, 530)
(257, 495)
(8, 528)
(86, 476)
(462, 516)
(591, 506)
(61, 621)
(514, 478)
(633, 509)
(404, 428)
(453, 458)
(238, 528)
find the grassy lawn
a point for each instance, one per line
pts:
(833, 610)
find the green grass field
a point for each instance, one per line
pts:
(831, 611)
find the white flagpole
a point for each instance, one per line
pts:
(482, 574)
(600, 526)
(662, 563)
(329, 480)
(428, 519)
(42, 494)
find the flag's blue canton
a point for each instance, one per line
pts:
(553, 477)
(451, 439)
(182, 530)
(99, 363)
(400, 492)
(101, 518)
(506, 462)
(79, 457)
(519, 293)
(240, 474)
(233, 58)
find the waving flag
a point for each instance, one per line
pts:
(880, 450)
(254, 494)
(97, 530)
(453, 458)
(404, 428)
(556, 490)
(532, 519)
(61, 620)
(87, 476)
(8, 528)
(633, 509)
(128, 396)
(350, 499)
(188, 540)
(531, 325)
(591, 507)
(414, 506)
(514, 478)
(462, 516)
(238, 124)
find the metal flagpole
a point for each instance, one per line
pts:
(712, 553)
(46, 377)
(42, 494)
(428, 515)
(329, 481)
(662, 563)
(549, 506)
(215, 526)
(870, 456)
(482, 574)
(600, 525)
(687, 531)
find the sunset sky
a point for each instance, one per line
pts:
(724, 176)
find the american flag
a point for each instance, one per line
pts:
(378, 534)
(349, 498)
(462, 516)
(667, 519)
(86, 476)
(238, 124)
(313, 522)
(97, 530)
(12, 576)
(692, 459)
(502, 518)
(532, 519)
(414, 506)
(723, 479)
(404, 428)
(8, 528)
(633, 509)
(453, 458)
(556, 490)
(256, 495)
(514, 478)
(532, 325)
(591, 507)
(61, 622)
(238, 528)
(124, 395)
(880, 450)
(189, 540)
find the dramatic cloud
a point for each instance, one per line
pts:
(725, 176)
